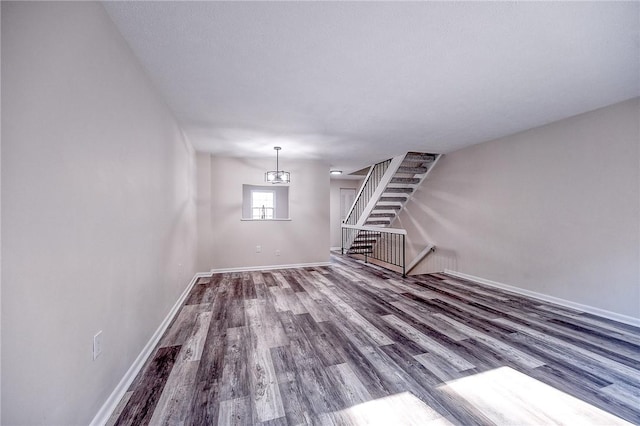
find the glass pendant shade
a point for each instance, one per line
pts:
(277, 175)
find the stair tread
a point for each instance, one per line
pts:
(424, 156)
(412, 170)
(397, 190)
(401, 199)
(411, 181)
(382, 215)
(367, 238)
(387, 207)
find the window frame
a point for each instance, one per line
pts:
(272, 208)
(281, 206)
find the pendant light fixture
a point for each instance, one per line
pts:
(277, 175)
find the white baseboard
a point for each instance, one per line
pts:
(102, 417)
(269, 267)
(562, 302)
(335, 248)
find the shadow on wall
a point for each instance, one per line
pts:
(181, 240)
(420, 219)
(437, 261)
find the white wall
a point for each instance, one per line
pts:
(0, 240)
(336, 220)
(303, 239)
(98, 212)
(554, 210)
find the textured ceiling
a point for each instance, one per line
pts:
(354, 83)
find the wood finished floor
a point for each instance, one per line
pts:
(353, 344)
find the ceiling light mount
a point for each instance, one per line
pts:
(335, 172)
(277, 175)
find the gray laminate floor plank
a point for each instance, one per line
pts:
(422, 315)
(143, 401)
(322, 345)
(296, 405)
(352, 344)
(236, 412)
(235, 377)
(612, 365)
(361, 367)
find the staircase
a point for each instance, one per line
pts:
(387, 188)
(408, 176)
(383, 195)
(364, 242)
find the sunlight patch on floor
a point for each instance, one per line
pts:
(508, 397)
(399, 409)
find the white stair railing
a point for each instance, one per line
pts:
(386, 245)
(369, 185)
(428, 249)
(380, 188)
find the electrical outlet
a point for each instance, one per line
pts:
(277, 252)
(97, 345)
(258, 249)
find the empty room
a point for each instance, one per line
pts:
(320, 213)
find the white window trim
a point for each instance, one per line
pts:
(273, 197)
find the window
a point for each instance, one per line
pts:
(263, 204)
